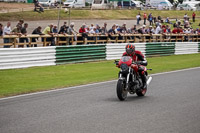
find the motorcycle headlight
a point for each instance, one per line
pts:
(124, 68)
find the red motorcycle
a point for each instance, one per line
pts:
(130, 79)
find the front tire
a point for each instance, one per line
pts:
(121, 92)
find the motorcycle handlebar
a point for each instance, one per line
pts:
(116, 62)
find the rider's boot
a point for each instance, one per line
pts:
(144, 81)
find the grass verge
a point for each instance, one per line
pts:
(21, 81)
(90, 14)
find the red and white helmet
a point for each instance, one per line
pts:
(130, 49)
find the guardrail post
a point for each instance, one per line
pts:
(30, 42)
(14, 42)
(142, 38)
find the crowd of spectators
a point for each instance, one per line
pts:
(157, 25)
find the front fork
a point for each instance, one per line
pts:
(127, 78)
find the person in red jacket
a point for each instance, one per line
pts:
(83, 31)
(139, 58)
(193, 16)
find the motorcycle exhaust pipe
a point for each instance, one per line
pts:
(149, 80)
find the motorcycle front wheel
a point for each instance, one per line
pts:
(121, 91)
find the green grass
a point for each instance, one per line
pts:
(89, 14)
(21, 81)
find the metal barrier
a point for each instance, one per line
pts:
(61, 39)
(42, 56)
(80, 53)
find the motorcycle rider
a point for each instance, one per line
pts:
(139, 58)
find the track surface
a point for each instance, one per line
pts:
(172, 105)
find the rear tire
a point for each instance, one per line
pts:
(121, 92)
(142, 92)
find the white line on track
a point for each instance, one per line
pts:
(69, 88)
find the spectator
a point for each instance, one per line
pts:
(71, 31)
(168, 30)
(187, 31)
(64, 31)
(193, 16)
(38, 32)
(175, 30)
(167, 20)
(117, 28)
(37, 4)
(24, 32)
(143, 29)
(150, 30)
(150, 18)
(185, 17)
(124, 29)
(159, 18)
(48, 31)
(138, 17)
(63, 28)
(17, 31)
(21, 22)
(112, 32)
(1, 29)
(91, 28)
(83, 32)
(158, 29)
(98, 28)
(7, 31)
(145, 18)
(105, 28)
(164, 30)
(140, 30)
(55, 29)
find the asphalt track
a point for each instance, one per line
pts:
(172, 105)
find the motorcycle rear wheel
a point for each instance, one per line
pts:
(142, 92)
(121, 92)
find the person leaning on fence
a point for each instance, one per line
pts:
(7, 31)
(84, 33)
(48, 31)
(64, 31)
(112, 32)
(17, 31)
(71, 31)
(24, 32)
(36, 31)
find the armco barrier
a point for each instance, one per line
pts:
(115, 51)
(186, 48)
(43, 56)
(80, 53)
(199, 47)
(26, 57)
(159, 49)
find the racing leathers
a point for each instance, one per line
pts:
(139, 58)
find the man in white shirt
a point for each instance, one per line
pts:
(7, 31)
(158, 29)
